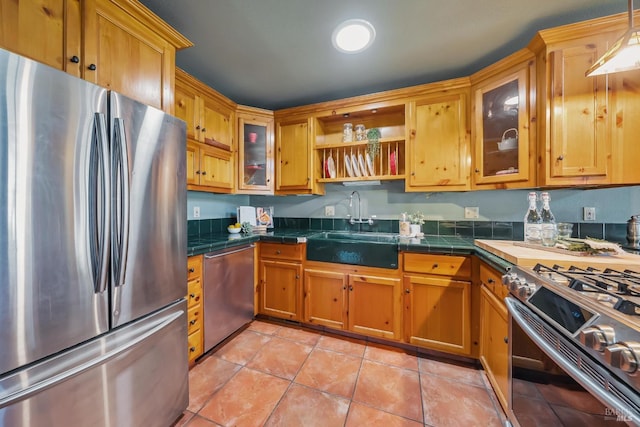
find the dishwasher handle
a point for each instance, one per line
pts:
(212, 255)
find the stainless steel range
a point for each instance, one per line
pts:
(574, 336)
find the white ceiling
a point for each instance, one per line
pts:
(278, 53)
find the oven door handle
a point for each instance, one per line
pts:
(517, 313)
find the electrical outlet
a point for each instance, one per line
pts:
(589, 214)
(329, 211)
(196, 211)
(472, 212)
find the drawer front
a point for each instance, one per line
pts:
(282, 251)
(194, 295)
(441, 265)
(493, 280)
(194, 267)
(195, 345)
(194, 319)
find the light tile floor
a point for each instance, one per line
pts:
(273, 374)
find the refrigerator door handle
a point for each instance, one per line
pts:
(120, 219)
(99, 203)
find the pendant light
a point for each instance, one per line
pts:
(624, 55)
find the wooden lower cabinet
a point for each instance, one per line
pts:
(375, 306)
(280, 280)
(364, 300)
(325, 298)
(279, 289)
(494, 348)
(195, 313)
(438, 313)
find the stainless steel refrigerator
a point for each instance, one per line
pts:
(93, 259)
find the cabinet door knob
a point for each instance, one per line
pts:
(491, 281)
(344, 288)
(278, 252)
(204, 130)
(350, 288)
(204, 172)
(506, 340)
(92, 67)
(193, 322)
(192, 349)
(561, 157)
(192, 270)
(477, 170)
(197, 172)
(198, 127)
(74, 59)
(407, 291)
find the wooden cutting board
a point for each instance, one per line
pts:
(529, 257)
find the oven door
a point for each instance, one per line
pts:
(552, 383)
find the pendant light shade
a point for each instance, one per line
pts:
(624, 55)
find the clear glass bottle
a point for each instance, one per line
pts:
(549, 228)
(532, 221)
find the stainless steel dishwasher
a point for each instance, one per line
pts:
(227, 293)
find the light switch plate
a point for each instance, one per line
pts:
(329, 211)
(196, 211)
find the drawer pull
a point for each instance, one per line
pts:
(435, 266)
(278, 252)
(193, 322)
(491, 281)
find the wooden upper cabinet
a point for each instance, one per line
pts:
(255, 150)
(210, 136)
(117, 44)
(48, 31)
(293, 157)
(504, 123)
(209, 115)
(131, 51)
(438, 156)
(578, 119)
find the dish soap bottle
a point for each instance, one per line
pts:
(532, 222)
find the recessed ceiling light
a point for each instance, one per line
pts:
(353, 36)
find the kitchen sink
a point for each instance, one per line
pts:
(343, 247)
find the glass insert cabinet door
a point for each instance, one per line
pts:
(255, 156)
(501, 122)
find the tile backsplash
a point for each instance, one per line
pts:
(504, 230)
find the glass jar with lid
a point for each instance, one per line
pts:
(361, 133)
(347, 132)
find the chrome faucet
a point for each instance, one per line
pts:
(352, 220)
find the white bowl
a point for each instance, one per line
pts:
(233, 230)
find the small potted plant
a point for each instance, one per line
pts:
(373, 145)
(416, 219)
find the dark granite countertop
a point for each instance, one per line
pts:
(451, 245)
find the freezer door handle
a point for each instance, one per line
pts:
(48, 381)
(98, 203)
(120, 218)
